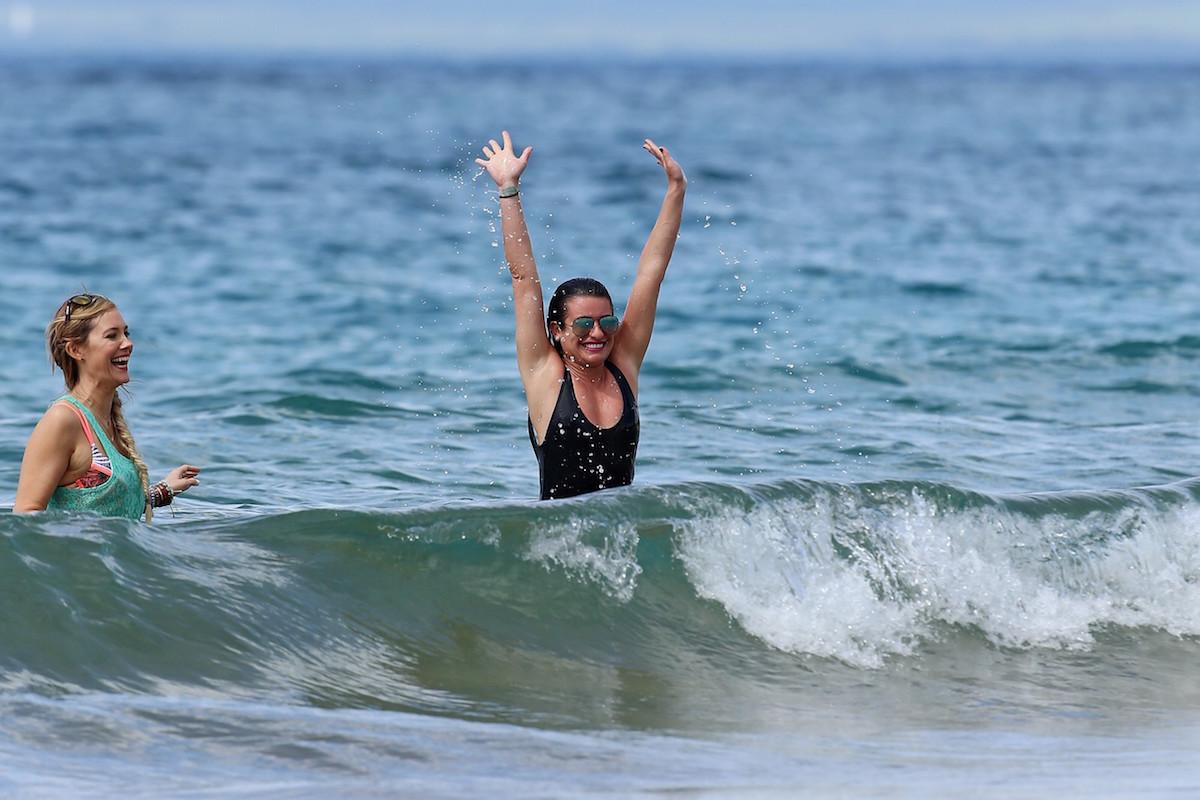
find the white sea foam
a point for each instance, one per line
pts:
(859, 577)
(607, 557)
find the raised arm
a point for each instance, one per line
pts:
(634, 337)
(534, 352)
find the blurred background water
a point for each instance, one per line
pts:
(926, 330)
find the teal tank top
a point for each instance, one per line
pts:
(119, 496)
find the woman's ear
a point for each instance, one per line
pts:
(74, 350)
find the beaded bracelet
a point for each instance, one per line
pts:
(160, 495)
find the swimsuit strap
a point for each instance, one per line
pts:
(623, 385)
(83, 420)
(97, 454)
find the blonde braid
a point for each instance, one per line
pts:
(125, 442)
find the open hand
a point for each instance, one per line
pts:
(502, 162)
(182, 478)
(670, 165)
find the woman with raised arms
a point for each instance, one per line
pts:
(579, 363)
(81, 455)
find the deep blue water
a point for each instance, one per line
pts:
(926, 331)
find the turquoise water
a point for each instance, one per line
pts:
(915, 510)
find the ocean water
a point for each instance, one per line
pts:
(916, 511)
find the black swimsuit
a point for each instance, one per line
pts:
(578, 457)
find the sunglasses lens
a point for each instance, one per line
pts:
(583, 325)
(78, 301)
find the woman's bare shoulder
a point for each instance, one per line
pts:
(58, 421)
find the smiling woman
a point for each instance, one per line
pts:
(81, 455)
(580, 373)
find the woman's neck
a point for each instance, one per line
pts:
(99, 399)
(585, 373)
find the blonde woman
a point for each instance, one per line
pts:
(81, 456)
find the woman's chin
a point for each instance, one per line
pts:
(591, 358)
(114, 378)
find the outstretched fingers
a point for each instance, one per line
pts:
(502, 162)
(659, 153)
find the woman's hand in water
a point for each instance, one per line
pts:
(503, 163)
(182, 478)
(670, 166)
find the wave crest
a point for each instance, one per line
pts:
(334, 602)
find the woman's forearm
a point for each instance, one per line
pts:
(518, 249)
(656, 254)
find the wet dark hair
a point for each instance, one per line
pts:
(575, 287)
